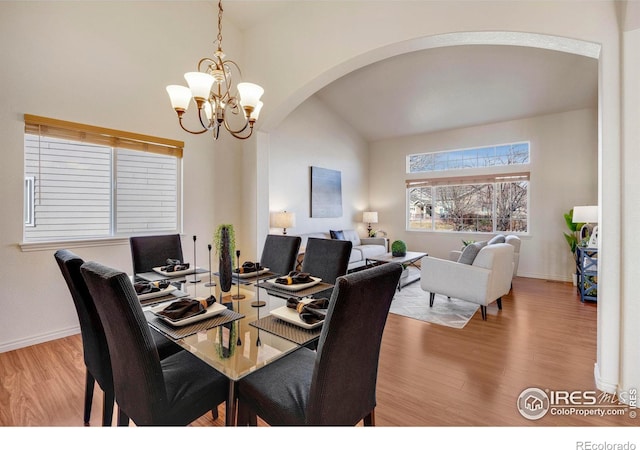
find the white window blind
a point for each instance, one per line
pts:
(91, 182)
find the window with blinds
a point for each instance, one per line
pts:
(86, 182)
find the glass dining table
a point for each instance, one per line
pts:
(245, 336)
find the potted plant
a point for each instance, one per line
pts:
(572, 237)
(398, 248)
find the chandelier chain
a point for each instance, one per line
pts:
(220, 25)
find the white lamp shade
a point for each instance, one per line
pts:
(200, 84)
(249, 94)
(370, 217)
(283, 220)
(180, 96)
(256, 112)
(585, 214)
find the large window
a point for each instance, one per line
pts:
(85, 182)
(486, 202)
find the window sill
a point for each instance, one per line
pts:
(55, 245)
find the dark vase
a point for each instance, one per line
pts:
(225, 267)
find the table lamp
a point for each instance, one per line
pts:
(283, 220)
(587, 215)
(369, 217)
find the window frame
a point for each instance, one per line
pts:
(477, 175)
(117, 141)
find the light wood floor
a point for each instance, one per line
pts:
(429, 375)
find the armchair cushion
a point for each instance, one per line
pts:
(470, 252)
(497, 239)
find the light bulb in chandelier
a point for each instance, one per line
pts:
(220, 104)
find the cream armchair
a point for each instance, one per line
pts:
(484, 281)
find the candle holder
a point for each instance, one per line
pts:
(195, 278)
(210, 283)
(238, 296)
(258, 303)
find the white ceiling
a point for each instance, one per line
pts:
(449, 87)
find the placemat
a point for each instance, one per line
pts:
(284, 293)
(250, 280)
(165, 298)
(187, 330)
(286, 330)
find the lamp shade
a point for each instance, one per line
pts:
(370, 217)
(283, 220)
(585, 214)
(250, 94)
(180, 96)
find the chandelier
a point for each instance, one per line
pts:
(212, 91)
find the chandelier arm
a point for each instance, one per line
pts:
(206, 59)
(189, 131)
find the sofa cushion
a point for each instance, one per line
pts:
(498, 239)
(337, 234)
(369, 251)
(352, 235)
(470, 252)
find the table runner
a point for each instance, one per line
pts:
(290, 332)
(187, 330)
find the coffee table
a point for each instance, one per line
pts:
(408, 260)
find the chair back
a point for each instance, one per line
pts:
(280, 253)
(326, 258)
(343, 387)
(498, 258)
(137, 373)
(148, 252)
(94, 341)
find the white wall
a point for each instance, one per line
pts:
(105, 64)
(564, 173)
(312, 136)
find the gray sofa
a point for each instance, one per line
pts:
(362, 249)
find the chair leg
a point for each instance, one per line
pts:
(370, 419)
(214, 413)
(88, 397)
(107, 408)
(246, 416)
(499, 303)
(432, 296)
(123, 419)
(483, 310)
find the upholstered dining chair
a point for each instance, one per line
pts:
(150, 391)
(280, 253)
(94, 342)
(148, 252)
(337, 384)
(327, 259)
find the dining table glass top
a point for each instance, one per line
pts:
(238, 347)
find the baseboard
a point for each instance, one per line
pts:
(544, 276)
(39, 339)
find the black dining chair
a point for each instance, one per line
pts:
(280, 253)
(148, 252)
(337, 384)
(94, 342)
(327, 259)
(150, 391)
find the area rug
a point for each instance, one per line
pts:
(413, 302)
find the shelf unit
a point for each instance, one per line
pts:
(587, 270)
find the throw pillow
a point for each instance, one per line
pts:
(337, 234)
(470, 252)
(499, 239)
